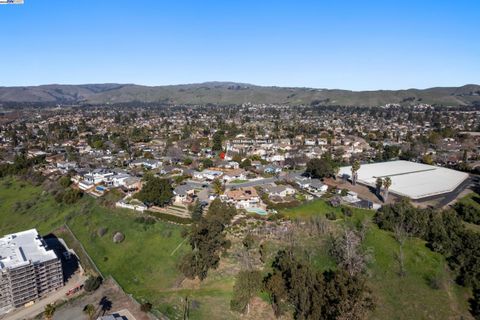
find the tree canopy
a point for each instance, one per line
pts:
(321, 168)
(156, 191)
(207, 239)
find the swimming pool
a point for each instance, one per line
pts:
(259, 211)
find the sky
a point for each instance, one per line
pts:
(356, 45)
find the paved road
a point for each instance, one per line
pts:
(253, 183)
(37, 308)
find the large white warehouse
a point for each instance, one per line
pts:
(410, 179)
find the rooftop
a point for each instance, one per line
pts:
(410, 179)
(22, 248)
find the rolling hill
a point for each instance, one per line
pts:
(226, 93)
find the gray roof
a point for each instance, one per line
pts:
(112, 317)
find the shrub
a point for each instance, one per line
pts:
(331, 216)
(118, 237)
(102, 231)
(146, 307)
(468, 212)
(347, 211)
(71, 196)
(145, 220)
(435, 282)
(93, 283)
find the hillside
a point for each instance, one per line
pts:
(146, 263)
(234, 93)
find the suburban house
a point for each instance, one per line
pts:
(184, 194)
(99, 176)
(242, 198)
(85, 185)
(65, 166)
(234, 174)
(146, 163)
(312, 185)
(207, 175)
(279, 191)
(126, 181)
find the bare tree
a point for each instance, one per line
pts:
(347, 251)
(401, 235)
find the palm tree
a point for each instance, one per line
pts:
(336, 170)
(49, 311)
(90, 311)
(355, 168)
(379, 184)
(386, 184)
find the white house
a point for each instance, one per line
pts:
(99, 176)
(279, 191)
(207, 174)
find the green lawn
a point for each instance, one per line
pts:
(238, 181)
(312, 208)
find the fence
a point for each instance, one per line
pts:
(92, 263)
(84, 252)
(135, 302)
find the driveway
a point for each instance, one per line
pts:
(37, 308)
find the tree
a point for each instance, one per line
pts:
(313, 294)
(156, 191)
(246, 164)
(346, 250)
(90, 311)
(427, 159)
(475, 303)
(355, 168)
(70, 196)
(321, 168)
(92, 283)
(217, 141)
(196, 211)
(217, 186)
(468, 211)
(49, 311)
(207, 239)
(387, 182)
(207, 163)
(247, 284)
(65, 181)
(378, 185)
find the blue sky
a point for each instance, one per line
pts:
(358, 45)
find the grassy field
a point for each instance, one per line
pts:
(144, 264)
(414, 296)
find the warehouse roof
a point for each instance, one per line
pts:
(410, 179)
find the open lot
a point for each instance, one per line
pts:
(109, 298)
(145, 263)
(409, 297)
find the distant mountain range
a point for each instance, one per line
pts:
(226, 93)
